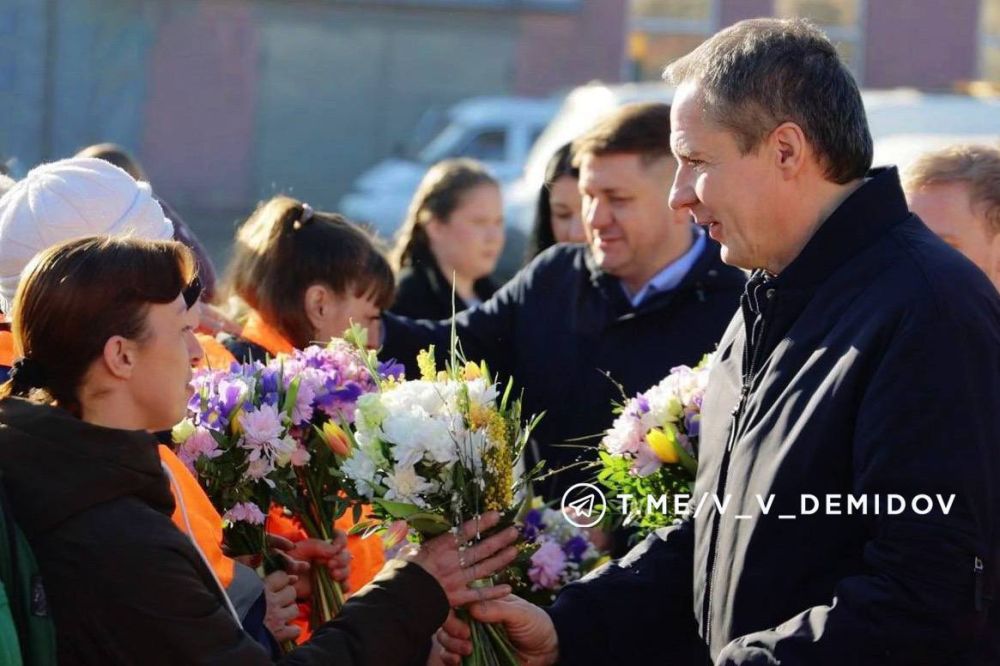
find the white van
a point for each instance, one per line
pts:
(497, 131)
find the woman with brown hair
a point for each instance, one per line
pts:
(304, 276)
(104, 330)
(450, 242)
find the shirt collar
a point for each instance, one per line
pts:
(672, 274)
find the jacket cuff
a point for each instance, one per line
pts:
(418, 595)
(579, 635)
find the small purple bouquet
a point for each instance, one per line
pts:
(553, 554)
(237, 440)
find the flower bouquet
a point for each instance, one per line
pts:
(651, 448)
(328, 381)
(436, 452)
(236, 439)
(554, 553)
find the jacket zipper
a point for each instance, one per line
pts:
(750, 355)
(977, 571)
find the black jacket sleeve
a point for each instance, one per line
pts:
(637, 610)
(927, 425)
(170, 616)
(486, 331)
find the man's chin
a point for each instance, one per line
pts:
(732, 258)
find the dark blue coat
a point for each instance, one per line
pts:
(876, 371)
(561, 323)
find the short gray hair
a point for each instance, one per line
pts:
(759, 73)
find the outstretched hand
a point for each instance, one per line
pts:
(528, 627)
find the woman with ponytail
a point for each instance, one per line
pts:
(450, 242)
(301, 276)
(104, 332)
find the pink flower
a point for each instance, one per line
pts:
(199, 444)
(245, 512)
(262, 425)
(300, 456)
(547, 565)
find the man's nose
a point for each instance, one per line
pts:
(682, 194)
(598, 214)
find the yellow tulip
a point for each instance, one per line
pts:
(472, 371)
(664, 444)
(336, 439)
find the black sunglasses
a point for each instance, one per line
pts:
(192, 292)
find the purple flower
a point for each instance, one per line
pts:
(533, 525)
(576, 548)
(547, 565)
(391, 368)
(245, 512)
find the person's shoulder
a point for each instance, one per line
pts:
(559, 257)
(922, 274)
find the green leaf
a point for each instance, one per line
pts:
(398, 509)
(428, 524)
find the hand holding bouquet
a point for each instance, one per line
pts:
(436, 453)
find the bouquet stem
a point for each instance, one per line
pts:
(490, 644)
(328, 598)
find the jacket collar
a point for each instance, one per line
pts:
(440, 286)
(57, 466)
(707, 274)
(862, 218)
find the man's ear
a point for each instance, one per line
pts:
(120, 357)
(788, 144)
(317, 303)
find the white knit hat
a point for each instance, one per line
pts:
(72, 198)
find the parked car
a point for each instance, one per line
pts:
(904, 123)
(498, 131)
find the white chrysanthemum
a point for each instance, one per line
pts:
(360, 469)
(414, 433)
(482, 393)
(405, 485)
(418, 393)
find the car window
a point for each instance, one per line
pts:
(487, 146)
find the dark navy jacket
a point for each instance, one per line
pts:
(875, 371)
(561, 323)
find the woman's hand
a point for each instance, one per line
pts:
(454, 564)
(212, 321)
(279, 593)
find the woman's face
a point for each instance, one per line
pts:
(564, 201)
(340, 311)
(469, 242)
(164, 358)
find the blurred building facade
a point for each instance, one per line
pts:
(928, 44)
(228, 101)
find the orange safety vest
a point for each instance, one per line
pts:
(205, 522)
(368, 556)
(214, 356)
(6, 348)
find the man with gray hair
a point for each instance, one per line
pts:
(956, 192)
(846, 507)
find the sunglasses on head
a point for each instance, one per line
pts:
(192, 292)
